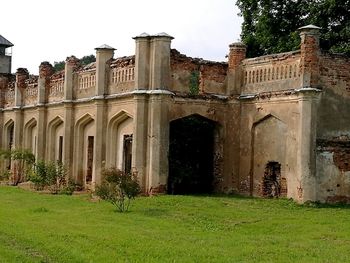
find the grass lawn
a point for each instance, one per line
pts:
(45, 228)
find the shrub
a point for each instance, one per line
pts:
(51, 175)
(5, 176)
(23, 164)
(118, 188)
(69, 188)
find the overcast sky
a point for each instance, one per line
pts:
(44, 30)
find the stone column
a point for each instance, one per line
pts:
(308, 95)
(103, 55)
(72, 63)
(307, 145)
(139, 144)
(310, 54)
(158, 112)
(3, 86)
(45, 72)
(160, 61)
(236, 56)
(142, 61)
(22, 75)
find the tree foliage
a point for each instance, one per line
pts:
(58, 66)
(270, 26)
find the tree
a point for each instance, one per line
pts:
(270, 26)
(58, 66)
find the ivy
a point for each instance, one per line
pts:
(194, 83)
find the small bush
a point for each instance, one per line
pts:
(23, 163)
(51, 175)
(5, 176)
(118, 188)
(69, 188)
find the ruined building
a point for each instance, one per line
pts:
(277, 125)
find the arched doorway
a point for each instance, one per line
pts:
(273, 184)
(9, 133)
(191, 155)
(84, 151)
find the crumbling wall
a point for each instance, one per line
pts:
(269, 133)
(196, 76)
(334, 111)
(121, 75)
(333, 169)
(333, 130)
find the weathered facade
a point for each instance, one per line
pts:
(277, 125)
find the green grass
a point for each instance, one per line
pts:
(45, 228)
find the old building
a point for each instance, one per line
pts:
(277, 125)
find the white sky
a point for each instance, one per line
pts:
(44, 30)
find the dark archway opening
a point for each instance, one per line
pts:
(191, 155)
(274, 185)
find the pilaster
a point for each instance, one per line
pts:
(142, 61)
(160, 61)
(151, 123)
(140, 138)
(68, 133)
(158, 143)
(306, 166)
(22, 75)
(103, 54)
(100, 140)
(236, 56)
(310, 55)
(72, 63)
(45, 72)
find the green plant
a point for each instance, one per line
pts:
(69, 188)
(5, 176)
(194, 83)
(23, 163)
(118, 188)
(51, 175)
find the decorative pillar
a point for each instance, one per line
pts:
(158, 112)
(236, 56)
(3, 86)
(21, 76)
(308, 96)
(45, 72)
(139, 144)
(72, 63)
(103, 55)
(306, 157)
(310, 54)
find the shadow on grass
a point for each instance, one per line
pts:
(155, 212)
(290, 201)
